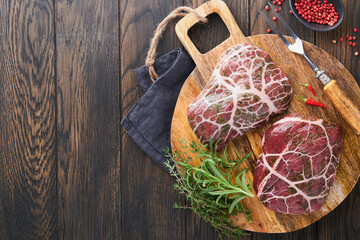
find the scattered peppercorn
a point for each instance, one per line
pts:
(269, 30)
(350, 38)
(350, 43)
(355, 29)
(354, 37)
(354, 44)
(274, 18)
(267, 8)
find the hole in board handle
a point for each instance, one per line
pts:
(207, 36)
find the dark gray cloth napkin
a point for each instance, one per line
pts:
(149, 121)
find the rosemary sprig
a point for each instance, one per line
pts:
(208, 187)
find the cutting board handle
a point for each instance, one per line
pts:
(183, 26)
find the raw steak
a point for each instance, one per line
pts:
(298, 164)
(245, 88)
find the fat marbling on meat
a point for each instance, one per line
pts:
(245, 89)
(298, 164)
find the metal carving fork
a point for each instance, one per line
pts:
(339, 99)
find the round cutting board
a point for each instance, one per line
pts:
(298, 71)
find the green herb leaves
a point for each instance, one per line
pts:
(208, 187)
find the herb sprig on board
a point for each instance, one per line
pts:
(208, 186)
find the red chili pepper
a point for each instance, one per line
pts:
(311, 102)
(308, 86)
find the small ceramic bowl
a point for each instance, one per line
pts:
(339, 6)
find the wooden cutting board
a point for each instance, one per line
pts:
(298, 71)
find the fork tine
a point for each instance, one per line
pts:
(283, 22)
(275, 29)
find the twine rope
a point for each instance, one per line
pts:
(150, 58)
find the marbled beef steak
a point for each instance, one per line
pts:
(245, 89)
(298, 164)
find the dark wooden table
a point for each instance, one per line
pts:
(67, 168)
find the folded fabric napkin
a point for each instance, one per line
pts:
(149, 121)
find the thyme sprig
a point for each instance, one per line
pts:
(208, 187)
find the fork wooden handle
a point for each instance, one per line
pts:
(344, 105)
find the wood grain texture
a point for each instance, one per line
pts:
(344, 105)
(78, 121)
(88, 123)
(348, 173)
(196, 228)
(147, 192)
(341, 50)
(344, 221)
(204, 61)
(27, 121)
(258, 24)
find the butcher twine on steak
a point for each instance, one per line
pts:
(298, 164)
(245, 88)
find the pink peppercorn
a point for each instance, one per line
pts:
(317, 11)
